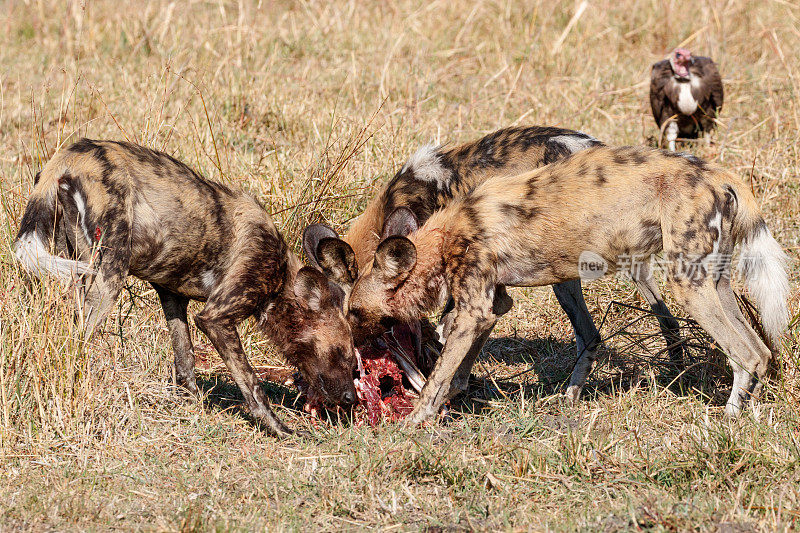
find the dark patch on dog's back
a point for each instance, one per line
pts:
(555, 151)
(600, 173)
(639, 157)
(518, 211)
(83, 146)
(692, 159)
(490, 151)
(404, 190)
(629, 155)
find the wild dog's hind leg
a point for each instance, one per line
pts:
(99, 293)
(230, 304)
(174, 306)
(96, 300)
(731, 306)
(587, 337)
(749, 362)
(473, 320)
(670, 328)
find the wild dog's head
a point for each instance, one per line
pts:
(372, 308)
(322, 343)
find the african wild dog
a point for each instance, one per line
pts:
(434, 177)
(115, 208)
(531, 230)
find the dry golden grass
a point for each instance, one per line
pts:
(308, 106)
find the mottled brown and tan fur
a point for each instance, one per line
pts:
(432, 178)
(507, 151)
(613, 202)
(112, 209)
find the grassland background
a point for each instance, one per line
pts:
(308, 106)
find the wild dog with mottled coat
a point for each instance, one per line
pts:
(612, 202)
(116, 208)
(433, 178)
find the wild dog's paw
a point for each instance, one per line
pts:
(573, 394)
(421, 415)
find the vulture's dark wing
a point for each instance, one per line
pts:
(659, 76)
(711, 93)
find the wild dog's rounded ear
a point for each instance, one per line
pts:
(311, 289)
(394, 259)
(311, 237)
(337, 260)
(401, 222)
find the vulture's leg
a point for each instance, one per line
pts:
(672, 134)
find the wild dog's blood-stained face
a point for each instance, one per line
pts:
(323, 350)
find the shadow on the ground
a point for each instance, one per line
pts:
(220, 392)
(629, 360)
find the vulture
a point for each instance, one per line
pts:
(688, 90)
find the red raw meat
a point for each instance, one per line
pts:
(381, 392)
(390, 402)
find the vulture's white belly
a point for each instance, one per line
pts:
(686, 102)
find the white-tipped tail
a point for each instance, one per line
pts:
(763, 265)
(35, 258)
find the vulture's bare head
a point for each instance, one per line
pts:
(680, 59)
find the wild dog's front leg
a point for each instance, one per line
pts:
(502, 304)
(461, 342)
(221, 330)
(460, 382)
(587, 338)
(174, 306)
(471, 323)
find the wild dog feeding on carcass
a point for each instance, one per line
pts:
(116, 208)
(433, 178)
(598, 205)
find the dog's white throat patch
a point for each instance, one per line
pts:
(80, 204)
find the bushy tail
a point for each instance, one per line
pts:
(763, 265)
(33, 244)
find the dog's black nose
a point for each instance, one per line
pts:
(349, 397)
